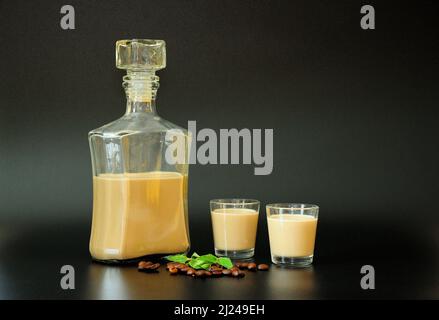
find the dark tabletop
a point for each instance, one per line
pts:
(404, 255)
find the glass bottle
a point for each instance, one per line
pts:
(139, 196)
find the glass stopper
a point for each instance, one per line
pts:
(141, 54)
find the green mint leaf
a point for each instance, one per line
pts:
(195, 255)
(225, 262)
(202, 262)
(181, 258)
(209, 258)
(199, 264)
(206, 266)
(195, 263)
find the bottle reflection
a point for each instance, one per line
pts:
(108, 282)
(116, 282)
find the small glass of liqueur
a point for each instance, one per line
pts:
(234, 223)
(292, 232)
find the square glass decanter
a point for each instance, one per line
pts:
(139, 198)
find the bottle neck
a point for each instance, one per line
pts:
(135, 106)
(141, 91)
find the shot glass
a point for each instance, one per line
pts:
(234, 223)
(292, 231)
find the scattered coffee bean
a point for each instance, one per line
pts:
(171, 265)
(154, 266)
(251, 266)
(148, 266)
(173, 271)
(190, 272)
(227, 272)
(263, 267)
(215, 268)
(143, 264)
(184, 269)
(199, 273)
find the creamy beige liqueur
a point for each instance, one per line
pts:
(292, 235)
(234, 229)
(137, 214)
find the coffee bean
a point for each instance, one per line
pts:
(171, 265)
(243, 265)
(234, 269)
(227, 272)
(143, 264)
(190, 272)
(241, 274)
(207, 273)
(215, 268)
(154, 266)
(149, 268)
(251, 266)
(217, 273)
(263, 267)
(199, 273)
(173, 271)
(235, 273)
(185, 269)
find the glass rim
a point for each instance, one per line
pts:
(235, 201)
(291, 206)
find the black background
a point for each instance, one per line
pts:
(354, 114)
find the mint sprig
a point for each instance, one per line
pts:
(225, 262)
(208, 258)
(201, 262)
(181, 258)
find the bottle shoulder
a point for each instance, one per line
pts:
(136, 124)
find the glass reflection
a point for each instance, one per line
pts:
(288, 283)
(116, 282)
